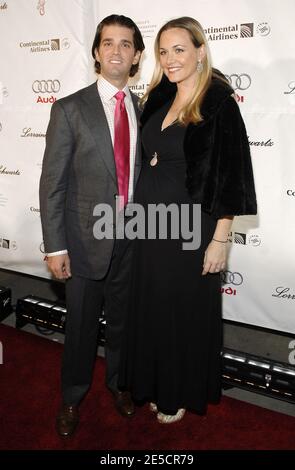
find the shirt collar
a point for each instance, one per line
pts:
(107, 91)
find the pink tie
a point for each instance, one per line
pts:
(122, 145)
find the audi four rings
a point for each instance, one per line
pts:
(46, 86)
(227, 277)
(239, 82)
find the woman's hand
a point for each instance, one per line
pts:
(215, 257)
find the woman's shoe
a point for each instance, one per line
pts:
(153, 407)
(167, 419)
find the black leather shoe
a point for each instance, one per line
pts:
(124, 403)
(67, 420)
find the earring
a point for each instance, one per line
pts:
(199, 66)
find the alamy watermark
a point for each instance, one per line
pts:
(157, 221)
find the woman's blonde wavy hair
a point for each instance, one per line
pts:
(191, 112)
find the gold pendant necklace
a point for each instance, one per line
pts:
(154, 160)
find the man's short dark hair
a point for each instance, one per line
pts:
(120, 20)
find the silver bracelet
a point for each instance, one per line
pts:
(219, 241)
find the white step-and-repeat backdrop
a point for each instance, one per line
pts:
(45, 54)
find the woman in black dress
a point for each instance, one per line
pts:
(195, 151)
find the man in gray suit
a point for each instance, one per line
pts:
(80, 170)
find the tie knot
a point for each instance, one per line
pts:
(120, 95)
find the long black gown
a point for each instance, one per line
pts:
(171, 350)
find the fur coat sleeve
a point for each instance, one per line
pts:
(219, 168)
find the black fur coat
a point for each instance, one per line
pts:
(219, 169)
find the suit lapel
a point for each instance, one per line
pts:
(94, 114)
(97, 122)
(137, 165)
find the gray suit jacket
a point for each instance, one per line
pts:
(78, 173)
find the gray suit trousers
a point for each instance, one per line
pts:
(85, 300)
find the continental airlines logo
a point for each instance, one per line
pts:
(244, 239)
(35, 210)
(237, 31)
(8, 244)
(4, 243)
(47, 45)
(139, 89)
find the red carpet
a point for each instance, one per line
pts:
(30, 397)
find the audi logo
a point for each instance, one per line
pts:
(46, 86)
(239, 82)
(227, 277)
